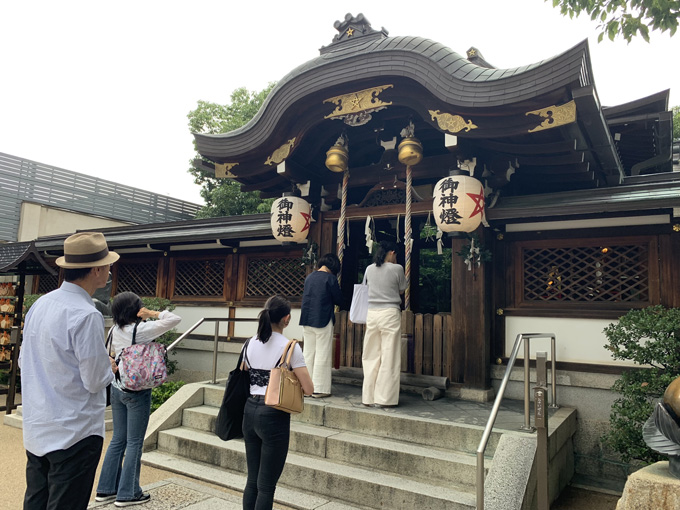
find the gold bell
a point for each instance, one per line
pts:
(337, 158)
(410, 151)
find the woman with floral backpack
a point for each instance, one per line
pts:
(119, 480)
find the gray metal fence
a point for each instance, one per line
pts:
(26, 180)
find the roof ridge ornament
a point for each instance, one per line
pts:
(475, 56)
(354, 27)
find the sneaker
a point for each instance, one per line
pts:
(144, 498)
(101, 498)
(321, 395)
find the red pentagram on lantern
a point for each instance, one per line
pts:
(479, 202)
(306, 217)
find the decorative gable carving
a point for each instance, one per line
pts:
(353, 28)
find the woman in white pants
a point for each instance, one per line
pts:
(317, 318)
(381, 357)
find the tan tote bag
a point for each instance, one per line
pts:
(284, 391)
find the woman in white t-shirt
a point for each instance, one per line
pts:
(266, 431)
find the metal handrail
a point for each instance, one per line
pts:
(217, 321)
(499, 397)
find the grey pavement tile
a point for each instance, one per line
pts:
(176, 494)
(214, 504)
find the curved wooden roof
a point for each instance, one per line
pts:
(446, 76)
(541, 123)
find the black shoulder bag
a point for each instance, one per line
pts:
(229, 423)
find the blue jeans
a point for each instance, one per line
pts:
(130, 418)
(266, 432)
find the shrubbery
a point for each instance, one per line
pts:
(163, 392)
(650, 338)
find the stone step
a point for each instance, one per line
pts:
(16, 419)
(236, 481)
(384, 423)
(393, 456)
(323, 477)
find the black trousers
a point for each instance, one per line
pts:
(63, 479)
(266, 432)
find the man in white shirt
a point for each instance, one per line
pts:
(64, 373)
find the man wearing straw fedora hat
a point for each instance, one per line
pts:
(64, 372)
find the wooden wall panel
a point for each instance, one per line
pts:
(427, 344)
(437, 330)
(418, 345)
(359, 330)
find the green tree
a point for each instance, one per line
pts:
(651, 338)
(676, 123)
(223, 197)
(625, 18)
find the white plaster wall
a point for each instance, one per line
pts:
(576, 340)
(38, 220)
(192, 314)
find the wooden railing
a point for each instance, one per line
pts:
(426, 343)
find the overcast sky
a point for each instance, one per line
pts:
(104, 88)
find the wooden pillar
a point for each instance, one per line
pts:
(669, 246)
(470, 311)
(326, 236)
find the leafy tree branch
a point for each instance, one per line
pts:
(625, 18)
(223, 197)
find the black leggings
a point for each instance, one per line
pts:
(266, 432)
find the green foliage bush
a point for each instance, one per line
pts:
(650, 338)
(163, 392)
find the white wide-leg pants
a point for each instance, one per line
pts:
(319, 355)
(381, 357)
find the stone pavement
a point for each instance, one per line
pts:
(176, 493)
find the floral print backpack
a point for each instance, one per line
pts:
(142, 366)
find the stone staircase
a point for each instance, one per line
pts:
(344, 455)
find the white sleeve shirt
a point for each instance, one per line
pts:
(147, 331)
(64, 371)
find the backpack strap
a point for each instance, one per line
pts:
(134, 334)
(109, 340)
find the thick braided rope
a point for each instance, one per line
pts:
(408, 234)
(341, 222)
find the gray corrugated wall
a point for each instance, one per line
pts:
(26, 180)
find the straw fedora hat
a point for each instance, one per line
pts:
(86, 249)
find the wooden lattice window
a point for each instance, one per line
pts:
(47, 283)
(269, 276)
(138, 277)
(603, 272)
(199, 278)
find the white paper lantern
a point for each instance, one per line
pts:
(290, 218)
(458, 204)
